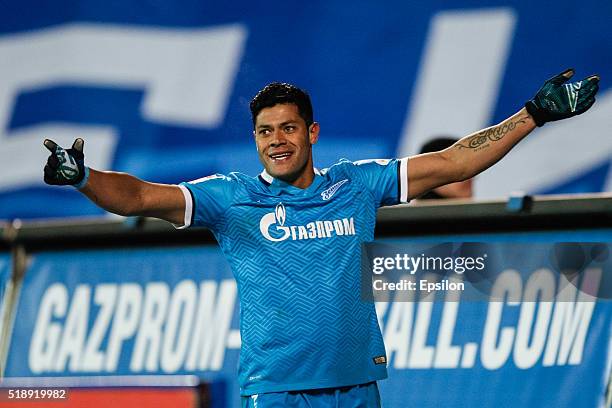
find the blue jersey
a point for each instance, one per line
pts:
(295, 254)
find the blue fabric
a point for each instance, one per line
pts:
(295, 255)
(359, 396)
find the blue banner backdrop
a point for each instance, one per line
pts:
(161, 88)
(175, 311)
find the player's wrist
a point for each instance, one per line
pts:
(83, 182)
(534, 111)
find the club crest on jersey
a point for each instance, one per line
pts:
(272, 227)
(329, 193)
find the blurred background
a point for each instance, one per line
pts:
(161, 89)
(132, 313)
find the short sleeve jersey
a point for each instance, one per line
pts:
(295, 254)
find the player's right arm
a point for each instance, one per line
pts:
(124, 194)
(119, 193)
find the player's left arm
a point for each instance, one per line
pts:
(480, 150)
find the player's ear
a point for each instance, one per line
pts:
(255, 140)
(313, 132)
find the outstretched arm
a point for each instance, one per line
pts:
(119, 193)
(468, 156)
(479, 151)
(124, 194)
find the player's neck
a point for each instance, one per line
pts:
(304, 180)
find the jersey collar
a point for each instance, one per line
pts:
(280, 186)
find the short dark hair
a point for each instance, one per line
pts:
(281, 93)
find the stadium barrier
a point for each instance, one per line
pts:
(52, 272)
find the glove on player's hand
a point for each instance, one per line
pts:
(557, 100)
(66, 167)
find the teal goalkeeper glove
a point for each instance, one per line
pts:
(557, 100)
(66, 167)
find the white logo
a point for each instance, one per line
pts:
(572, 94)
(277, 217)
(280, 213)
(273, 228)
(327, 194)
(68, 168)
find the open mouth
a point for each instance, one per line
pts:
(281, 156)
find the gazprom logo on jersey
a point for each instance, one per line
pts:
(273, 228)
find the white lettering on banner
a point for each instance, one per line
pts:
(397, 333)
(447, 355)
(496, 343)
(188, 326)
(167, 64)
(125, 322)
(148, 340)
(570, 321)
(551, 330)
(46, 335)
(529, 343)
(421, 355)
(207, 350)
(75, 330)
(178, 326)
(170, 328)
(105, 297)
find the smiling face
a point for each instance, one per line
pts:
(284, 144)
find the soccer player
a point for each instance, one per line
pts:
(292, 236)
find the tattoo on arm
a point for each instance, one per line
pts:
(481, 139)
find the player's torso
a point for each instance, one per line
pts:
(291, 253)
(296, 258)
